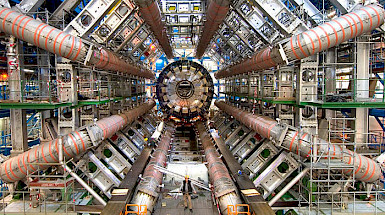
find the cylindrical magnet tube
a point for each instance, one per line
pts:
(63, 44)
(365, 169)
(152, 178)
(224, 188)
(216, 13)
(320, 38)
(77, 142)
(150, 12)
(333, 33)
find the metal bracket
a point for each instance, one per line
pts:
(283, 134)
(89, 55)
(282, 53)
(5, 3)
(94, 139)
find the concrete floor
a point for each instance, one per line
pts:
(172, 203)
(203, 205)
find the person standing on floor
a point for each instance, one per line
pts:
(187, 188)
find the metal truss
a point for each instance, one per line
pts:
(184, 20)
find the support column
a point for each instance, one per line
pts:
(330, 89)
(44, 85)
(330, 72)
(17, 116)
(362, 90)
(307, 79)
(68, 119)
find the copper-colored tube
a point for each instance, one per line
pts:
(320, 38)
(63, 44)
(73, 144)
(216, 13)
(365, 169)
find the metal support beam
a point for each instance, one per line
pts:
(344, 5)
(29, 6)
(85, 185)
(118, 202)
(19, 136)
(362, 91)
(288, 186)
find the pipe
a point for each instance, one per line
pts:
(77, 142)
(85, 185)
(310, 42)
(365, 169)
(224, 188)
(147, 189)
(288, 186)
(216, 13)
(150, 12)
(65, 45)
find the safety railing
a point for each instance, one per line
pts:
(62, 201)
(347, 89)
(377, 137)
(30, 90)
(46, 92)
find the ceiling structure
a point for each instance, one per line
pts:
(237, 28)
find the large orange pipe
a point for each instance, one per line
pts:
(298, 142)
(216, 13)
(150, 12)
(63, 44)
(77, 142)
(320, 38)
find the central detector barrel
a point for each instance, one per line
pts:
(184, 90)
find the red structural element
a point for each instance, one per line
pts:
(150, 12)
(216, 13)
